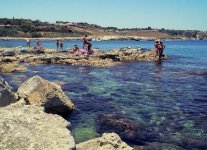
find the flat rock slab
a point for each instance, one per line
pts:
(29, 127)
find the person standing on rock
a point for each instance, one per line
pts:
(57, 44)
(28, 42)
(38, 43)
(87, 44)
(61, 45)
(84, 39)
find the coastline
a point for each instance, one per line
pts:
(101, 38)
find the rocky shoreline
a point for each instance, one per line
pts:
(26, 121)
(31, 116)
(11, 58)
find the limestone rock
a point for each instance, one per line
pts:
(109, 141)
(132, 54)
(98, 59)
(29, 127)
(38, 91)
(6, 95)
(10, 67)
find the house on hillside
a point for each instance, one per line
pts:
(8, 26)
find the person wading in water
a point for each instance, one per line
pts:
(159, 47)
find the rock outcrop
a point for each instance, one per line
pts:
(29, 127)
(6, 95)
(132, 54)
(25, 126)
(10, 67)
(110, 141)
(98, 59)
(40, 92)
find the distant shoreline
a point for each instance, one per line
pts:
(98, 38)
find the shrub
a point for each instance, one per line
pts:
(8, 32)
(35, 35)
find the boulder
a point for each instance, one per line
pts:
(10, 67)
(6, 95)
(109, 141)
(129, 130)
(29, 127)
(38, 91)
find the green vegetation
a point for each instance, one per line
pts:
(36, 28)
(8, 32)
(184, 33)
(35, 35)
(29, 28)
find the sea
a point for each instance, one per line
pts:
(169, 97)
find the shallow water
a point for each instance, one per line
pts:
(170, 96)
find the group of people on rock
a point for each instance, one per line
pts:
(37, 45)
(87, 44)
(86, 49)
(59, 44)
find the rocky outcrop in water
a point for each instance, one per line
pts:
(29, 127)
(110, 141)
(132, 54)
(128, 129)
(10, 67)
(24, 126)
(7, 96)
(40, 92)
(98, 59)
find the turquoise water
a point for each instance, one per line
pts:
(169, 97)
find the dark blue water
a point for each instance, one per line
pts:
(170, 97)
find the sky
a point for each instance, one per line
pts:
(168, 14)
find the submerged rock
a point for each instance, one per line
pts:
(6, 95)
(29, 127)
(38, 91)
(109, 141)
(193, 72)
(128, 129)
(161, 146)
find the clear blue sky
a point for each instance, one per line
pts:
(170, 14)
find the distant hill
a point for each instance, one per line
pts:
(35, 29)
